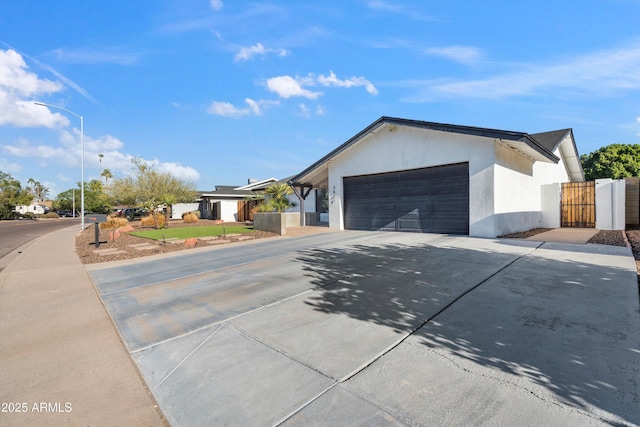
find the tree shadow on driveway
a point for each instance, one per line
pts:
(563, 322)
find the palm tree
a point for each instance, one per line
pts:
(277, 200)
(100, 156)
(107, 175)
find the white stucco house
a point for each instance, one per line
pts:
(222, 202)
(410, 175)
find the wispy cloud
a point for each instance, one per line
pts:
(333, 80)
(601, 73)
(466, 55)
(95, 56)
(46, 67)
(226, 109)
(215, 4)
(247, 53)
(412, 11)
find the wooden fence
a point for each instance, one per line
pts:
(632, 201)
(578, 204)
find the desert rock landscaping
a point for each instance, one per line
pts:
(119, 244)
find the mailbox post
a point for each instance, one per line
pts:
(96, 219)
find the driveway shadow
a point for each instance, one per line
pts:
(565, 323)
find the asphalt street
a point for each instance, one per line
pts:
(16, 233)
(373, 328)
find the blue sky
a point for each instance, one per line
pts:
(219, 91)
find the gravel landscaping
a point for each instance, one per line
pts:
(127, 246)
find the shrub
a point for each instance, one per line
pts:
(29, 215)
(114, 222)
(148, 221)
(196, 213)
(190, 217)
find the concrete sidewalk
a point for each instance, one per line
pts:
(62, 360)
(578, 236)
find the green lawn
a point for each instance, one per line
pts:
(189, 232)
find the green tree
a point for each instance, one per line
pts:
(11, 195)
(150, 188)
(68, 200)
(614, 161)
(38, 191)
(276, 199)
(95, 198)
(107, 175)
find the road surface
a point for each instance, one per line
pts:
(16, 233)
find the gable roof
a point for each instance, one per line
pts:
(539, 147)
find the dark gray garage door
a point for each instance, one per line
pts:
(431, 200)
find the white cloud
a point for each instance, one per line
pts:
(466, 55)
(332, 80)
(216, 4)
(287, 86)
(247, 53)
(185, 172)
(226, 109)
(18, 89)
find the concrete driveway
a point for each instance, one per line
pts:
(373, 328)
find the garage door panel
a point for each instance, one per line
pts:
(385, 191)
(383, 222)
(357, 193)
(414, 225)
(432, 199)
(414, 189)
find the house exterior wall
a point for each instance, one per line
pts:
(309, 203)
(181, 208)
(228, 210)
(410, 148)
(550, 205)
(610, 204)
(518, 183)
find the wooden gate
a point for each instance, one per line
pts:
(578, 204)
(245, 208)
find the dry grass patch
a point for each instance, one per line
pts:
(190, 218)
(114, 222)
(148, 221)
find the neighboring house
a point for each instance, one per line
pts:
(34, 208)
(409, 175)
(315, 204)
(222, 203)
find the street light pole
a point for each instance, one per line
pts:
(81, 156)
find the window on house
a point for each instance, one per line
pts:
(322, 200)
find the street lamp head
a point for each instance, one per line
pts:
(40, 103)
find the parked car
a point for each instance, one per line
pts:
(134, 213)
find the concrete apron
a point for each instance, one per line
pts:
(356, 327)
